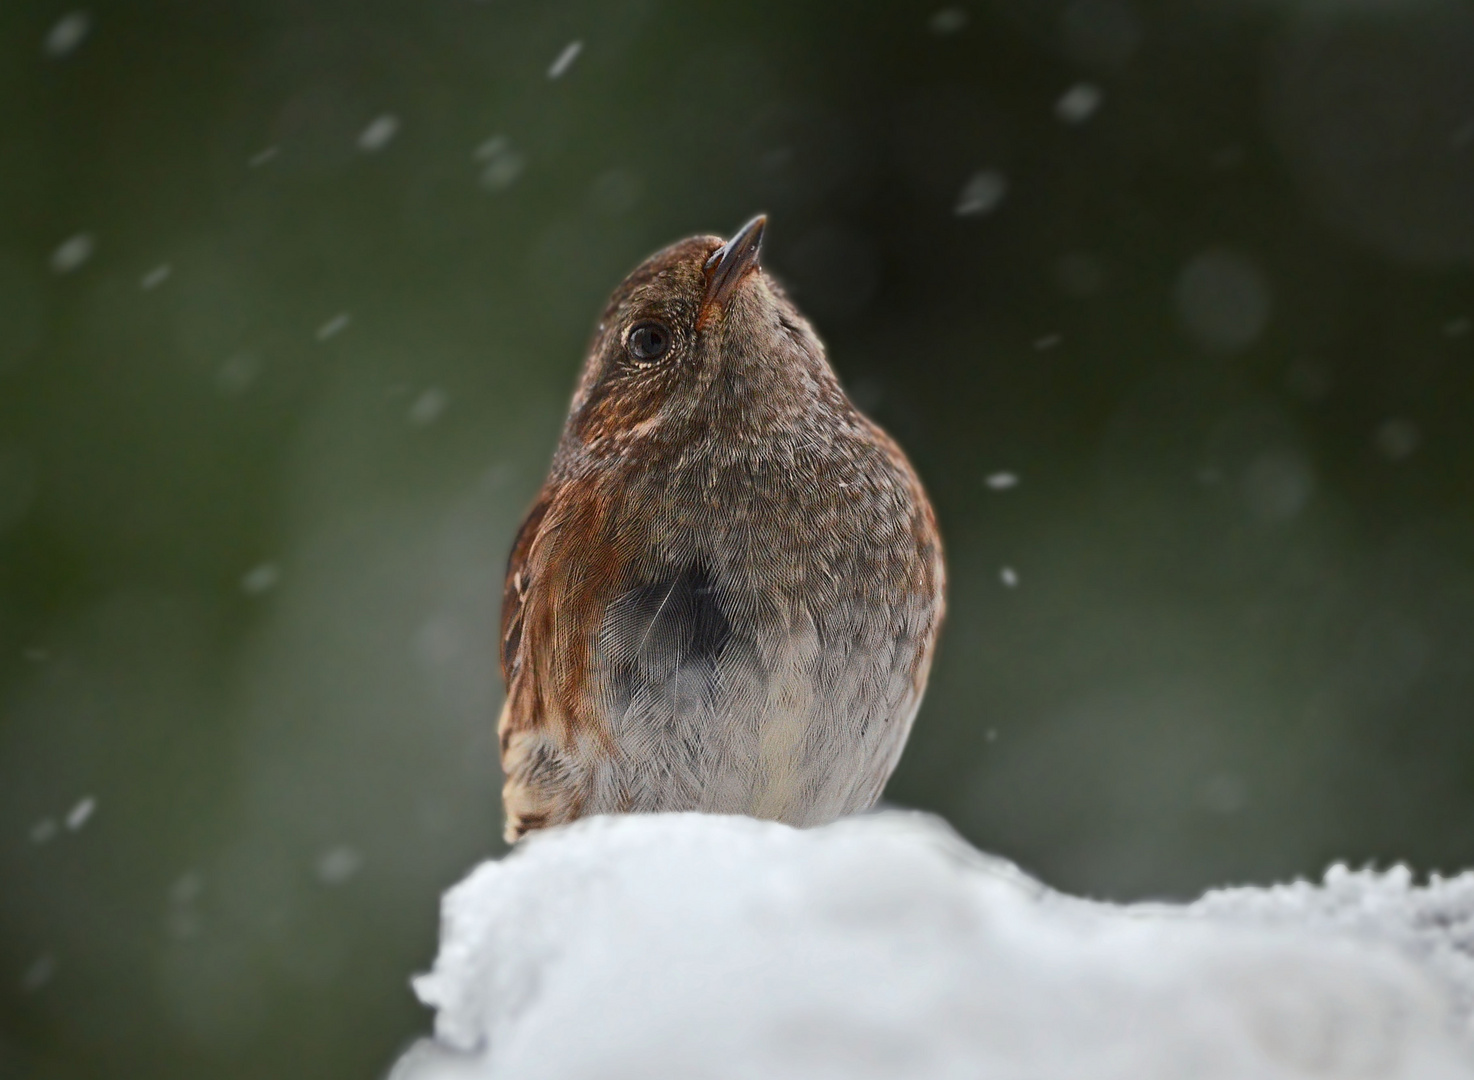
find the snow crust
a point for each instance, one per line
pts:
(883, 946)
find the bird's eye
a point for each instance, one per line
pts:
(649, 341)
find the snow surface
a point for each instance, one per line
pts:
(705, 947)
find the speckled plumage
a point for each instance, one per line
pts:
(726, 596)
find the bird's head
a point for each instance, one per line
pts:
(698, 332)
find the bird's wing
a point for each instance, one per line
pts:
(518, 581)
(561, 569)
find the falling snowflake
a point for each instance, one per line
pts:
(72, 253)
(500, 163)
(63, 38)
(80, 814)
(947, 20)
(261, 579)
(379, 133)
(982, 193)
(1079, 103)
(565, 59)
(334, 326)
(428, 407)
(336, 865)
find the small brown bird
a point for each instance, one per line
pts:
(725, 597)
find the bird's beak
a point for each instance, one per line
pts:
(729, 264)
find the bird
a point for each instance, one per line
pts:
(727, 594)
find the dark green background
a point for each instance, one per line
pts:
(1220, 330)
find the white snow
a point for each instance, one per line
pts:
(883, 946)
(982, 193)
(334, 326)
(72, 253)
(337, 865)
(80, 814)
(64, 37)
(500, 163)
(379, 133)
(260, 578)
(1002, 481)
(428, 407)
(1079, 103)
(565, 59)
(947, 20)
(155, 277)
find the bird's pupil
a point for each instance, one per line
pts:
(649, 341)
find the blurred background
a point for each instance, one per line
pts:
(1171, 303)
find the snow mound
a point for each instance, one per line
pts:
(703, 948)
